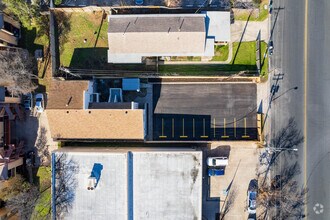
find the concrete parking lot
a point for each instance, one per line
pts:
(243, 159)
(204, 111)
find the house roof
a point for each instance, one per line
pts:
(67, 94)
(115, 124)
(218, 25)
(155, 35)
(137, 184)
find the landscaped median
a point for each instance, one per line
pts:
(243, 59)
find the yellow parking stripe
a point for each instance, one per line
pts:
(235, 127)
(245, 135)
(172, 127)
(193, 127)
(224, 129)
(204, 136)
(183, 136)
(214, 127)
(162, 136)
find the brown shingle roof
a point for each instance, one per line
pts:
(112, 124)
(68, 92)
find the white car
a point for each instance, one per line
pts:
(40, 102)
(217, 161)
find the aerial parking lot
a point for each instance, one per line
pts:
(204, 111)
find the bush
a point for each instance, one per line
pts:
(58, 2)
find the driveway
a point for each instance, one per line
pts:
(243, 159)
(251, 30)
(34, 130)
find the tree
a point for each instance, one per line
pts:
(283, 198)
(16, 72)
(24, 202)
(25, 12)
(285, 140)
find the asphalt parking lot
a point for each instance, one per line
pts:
(204, 112)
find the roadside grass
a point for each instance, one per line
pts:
(43, 206)
(83, 40)
(190, 58)
(244, 59)
(243, 14)
(221, 53)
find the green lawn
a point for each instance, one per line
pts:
(244, 15)
(244, 58)
(220, 53)
(42, 207)
(74, 29)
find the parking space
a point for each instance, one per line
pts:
(197, 112)
(243, 159)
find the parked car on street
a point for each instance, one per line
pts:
(270, 47)
(40, 102)
(252, 196)
(216, 172)
(28, 101)
(217, 161)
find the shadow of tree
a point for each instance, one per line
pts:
(63, 28)
(65, 183)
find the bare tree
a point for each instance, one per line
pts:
(283, 198)
(285, 140)
(25, 202)
(229, 202)
(65, 183)
(16, 72)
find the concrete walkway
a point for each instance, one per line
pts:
(251, 31)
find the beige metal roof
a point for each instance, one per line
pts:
(157, 35)
(66, 94)
(113, 124)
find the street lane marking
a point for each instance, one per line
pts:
(224, 129)
(305, 101)
(245, 135)
(162, 136)
(204, 136)
(183, 136)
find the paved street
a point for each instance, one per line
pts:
(289, 61)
